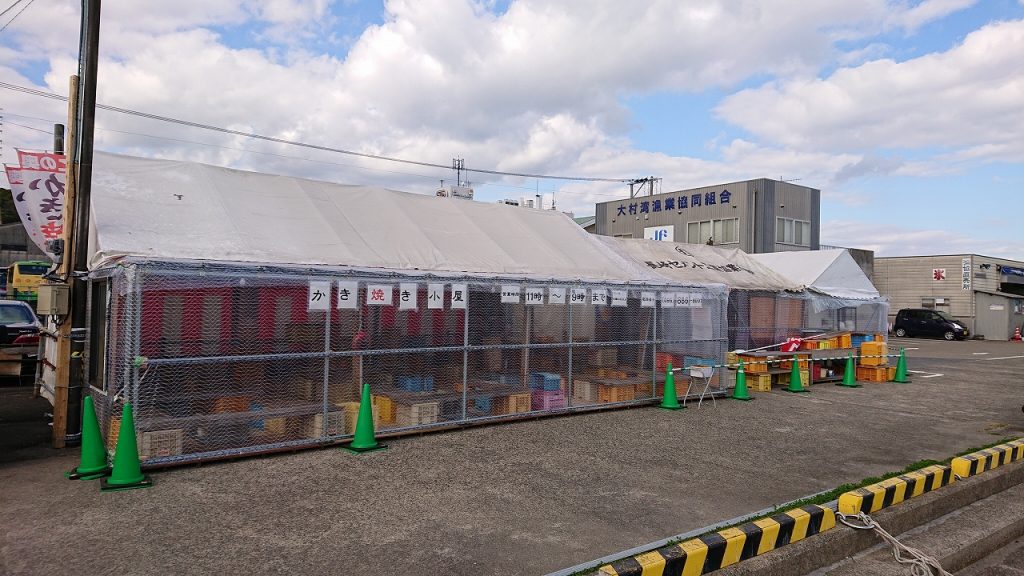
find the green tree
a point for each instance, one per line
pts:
(8, 213)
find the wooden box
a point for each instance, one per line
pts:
(231, 404)
(158, 443)
(603, 357)
(584, 392)
(511, 404)
(335, 425)
(416, 414)
(644, 390)
(607, 394)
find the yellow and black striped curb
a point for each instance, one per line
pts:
(726, 547)
(987, 459)
(874, 497)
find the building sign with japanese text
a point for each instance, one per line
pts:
(965, 277)
(677, 203)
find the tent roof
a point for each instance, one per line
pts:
(831, 272)
(699, 264)
(169, 209)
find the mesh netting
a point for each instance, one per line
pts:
(228, 359)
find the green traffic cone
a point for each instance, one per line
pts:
(127, 473)
(364, 440)
(671, 400)
(92, 463)
(740, 391)
(795, 385)
(901, 369)
(849, 376)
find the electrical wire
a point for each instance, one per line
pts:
(25, 7)
(129, 112)
(11, 7)
(289, 157)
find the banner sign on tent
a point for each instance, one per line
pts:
(578, 295)
(599, 296)
(348, 295)
(435, 296)
(510, 294)
(534, 296)
(460, 295)
(648, 299)
(668, 299)
(619, 297)
(407, 295)
(379, 295)
(319, 295)
(556, 295)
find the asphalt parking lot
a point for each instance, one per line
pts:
(523, 498)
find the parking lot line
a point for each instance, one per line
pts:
(1004, 357)
(980, 353)
(925, 374)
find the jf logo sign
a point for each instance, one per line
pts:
(660, 233)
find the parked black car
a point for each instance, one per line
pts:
(925, 322)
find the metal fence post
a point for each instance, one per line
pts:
(465, 352)
(568, 303)
(327, 362)
(654, 347)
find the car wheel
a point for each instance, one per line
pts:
(901, 333)
(949, 335)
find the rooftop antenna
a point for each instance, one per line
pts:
(458, 164)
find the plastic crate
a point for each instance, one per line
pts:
(873, 373)
(759, 382)
(544, 400)
(335, 425)
(874, 354)
(584, 392)
(511, 404)
(545, 381)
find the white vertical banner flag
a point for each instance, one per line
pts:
(21, 203)
(43, 176)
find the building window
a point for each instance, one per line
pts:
(790, 231)
(725, 231)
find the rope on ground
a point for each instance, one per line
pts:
(920, 563)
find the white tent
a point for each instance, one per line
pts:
(700, 264)
(179, 210)
(830, 272)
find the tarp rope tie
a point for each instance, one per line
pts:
(920, 563)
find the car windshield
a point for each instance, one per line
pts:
(33, 269)
(15, 314)
(946, 317)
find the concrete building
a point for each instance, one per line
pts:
(755, 216)
(986, 294)
(15, 245)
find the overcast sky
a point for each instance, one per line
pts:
(908, 115)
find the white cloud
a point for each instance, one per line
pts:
(888, 240)
(968, 96)
(910, 18)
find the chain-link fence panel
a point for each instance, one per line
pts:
(228, 359)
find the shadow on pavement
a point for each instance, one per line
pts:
(24, 426)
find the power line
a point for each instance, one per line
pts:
(274, 154)
(189, 123)
(11, 7)
(16, 15)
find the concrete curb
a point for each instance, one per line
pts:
(987, 459)
(874, 497)
(844, 542)
(726, 547)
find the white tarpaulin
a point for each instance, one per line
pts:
(831, 272)
(182, 210)
(700, 264)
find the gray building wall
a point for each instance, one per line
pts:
(755, 203)
(909, 280)
(16, 245)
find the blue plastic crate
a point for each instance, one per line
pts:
(545, 381)
(482, 403)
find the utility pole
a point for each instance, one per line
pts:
(70, 377)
